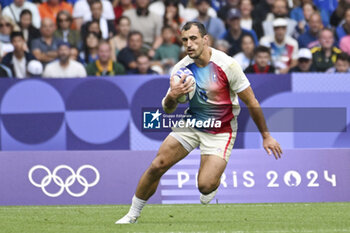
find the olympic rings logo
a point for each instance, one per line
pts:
(69, 181)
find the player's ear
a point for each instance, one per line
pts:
(206, 39)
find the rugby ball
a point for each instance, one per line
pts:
(185, 98)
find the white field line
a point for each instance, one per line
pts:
(162, 206)
(267, 231)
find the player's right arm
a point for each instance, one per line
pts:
(176, 90)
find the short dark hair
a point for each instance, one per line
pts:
(25, 12)
(199, 25)
(94, 2)
(197, 2)
(250, 36)
(142, 55)
(15, 34)
(171, 2)
(262, 49)
(343, 56)
(167, 27)
(132, 33)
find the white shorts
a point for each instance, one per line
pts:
(220, 144)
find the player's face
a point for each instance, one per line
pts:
(193, 42)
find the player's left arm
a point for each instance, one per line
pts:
(269, 143)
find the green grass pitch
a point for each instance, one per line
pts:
(222, 218)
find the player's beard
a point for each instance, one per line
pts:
(197, 54)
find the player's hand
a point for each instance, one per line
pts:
(272, 147)
(179, 88)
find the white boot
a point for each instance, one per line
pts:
(127, 219)
(206, 199)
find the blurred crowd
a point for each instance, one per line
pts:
(79, 38)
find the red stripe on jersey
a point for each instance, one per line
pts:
(228, 143)
(225, 98)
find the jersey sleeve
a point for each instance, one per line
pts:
(237, 79)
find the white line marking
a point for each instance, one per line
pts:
(245, 205)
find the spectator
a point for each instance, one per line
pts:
(214, 26)
(104, 65)
(246, 9)
(345, 44)
(91, 26)
(106, 27)
(222, 45)
(260, 12)
(172, 18)
(191, 12)
(326, 7)
(7, 26)
(279, 10)
(146, 22)
(18, 59)
(235, 33)
(284, 49)
(122, 6)
(342, 65)
(119, 41)
(45, 47)
(64, 67)
(14, 10)
(82, 12)
(309, 38)
(127, 56)
(90, 47)
(344, 29)
(308, 10)
(143, 65)
(223, 11)
(325, 55)
(51, 8)
(158, 7)
(29, 31)
(304, 62)
(298, 14)
(64, 32)
(339, 13)
(246, 57)
(262, 57)
(168, 53)
(34, 69)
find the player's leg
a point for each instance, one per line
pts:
(209, 175)
(215, 150)
(170, 152)
(173, 149)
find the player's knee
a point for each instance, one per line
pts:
(158, 167)
(206, 187)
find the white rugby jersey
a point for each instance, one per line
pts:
(217, 85)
